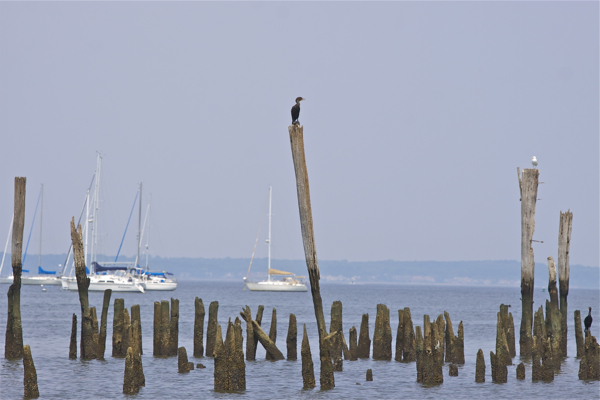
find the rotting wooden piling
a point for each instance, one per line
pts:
(579, 334)
(182, 361)
(419, 349)
(589, 366)
(459, 350)
(95, 336)
(509, 329)
(296, 133)
(521, 371)
(131, 382)
(30, 384)
(250, 342)
(364, 341)
(502, 351)
(174, 327)
(553, 315)
(220, 362)
(441, 326)
(564, 270)
(211, 329)
(13, 342)
(382, 336)
(452, 370)
(272, 331)
(238, 365)
(156, 349)
(450, 339)
(73, 342)
(352, 337)
(369, 375)
(103, 324)
(400, 336)
(165, 328)
(480, 367)
(408, 352)
(528, 184)
(335, 351)
(291, 340)
(264, 339)
(258, 319)
(137, 333)
(126, 332)
(117, 337)
(199, 327)
(308, 372)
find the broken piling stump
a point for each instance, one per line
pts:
(103, 324)
(174, 327)
(579, 335)
(131, 380)
(364, 341)
(450, 339)
(126, 335)
(165, 329)
(521, 371)
(352, 337)
(258, 319)
(13, 341)
(564, 270)
(589, 366)
(118, 321)
(308, 372)
(459, 349)
(553, 317)
(441, 327)
(335, 351)
(239, 366)
(182, 361)
(382, 337)
(369, 375)
(452, 370)
(211, 329)
(480, 367)
(502, 351)
(73, 343)
(199, 327)
(291, 340)
(273, 330)
(419, 353)
(250, 342)
(508, 326)
(156, 350)
(220, 362)
(408, 344)
(136, 328)
(400, 336)
(30, 375)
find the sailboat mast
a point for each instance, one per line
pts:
(95, 211)
(139, 236)
(41, 219)
(87, 225)
(7, 241)
(269, 239)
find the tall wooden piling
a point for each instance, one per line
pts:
(336, 345)
(480, 367)
(382, 337)
(400, 336)
(95, 336)
(174, 327)
(87, 343)
(211, 329)
(564, 270)
(308, 238)
(103, 324)
(13, 343)
(220, 364)
(408, 351)
(199, 327)
(137, 333)
(353, 338)
(156, 349)
(30, 375)
(459, 349)
(126, 332)
(291, 340)
(364, 341)
(273, 330)
(165, 329)
(528, 184)
(238, 366)
(118, 350)
(308, 372)
(73, 342)
(579, 334)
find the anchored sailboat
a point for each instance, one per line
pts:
(288, 281)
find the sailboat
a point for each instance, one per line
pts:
(277, 281)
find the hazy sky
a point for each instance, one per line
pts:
(415, 120)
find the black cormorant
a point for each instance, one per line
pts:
(588, 321)
(296, 111)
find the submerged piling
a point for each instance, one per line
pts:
(364, 341)
(199, 327)
(211, 329)
(296, 132)
(480, 367)
(183, 364)
(292, 339)
(382, 337)
(13, 342)
(30, 384)
(369, 375)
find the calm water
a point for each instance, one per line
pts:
(47, 324)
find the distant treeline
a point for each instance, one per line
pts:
(480, 273)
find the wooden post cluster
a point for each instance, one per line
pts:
(429, 364)
(272, 351)
(13, 343)
(364, 340)
(579, 334)
(528, 185)
(480, 367)
(455, 345)
(542, 366)
(589, 366)
(291, 340)
(230, 369)
(382, 337)
(166, 328)
(30, 375)
(564, 244)
(88, 346)
(272, 331)
(211, 329)
(336, 345)
(103, 324)
(308, 238)
(199, 327)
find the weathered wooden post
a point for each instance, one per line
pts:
(308, 372)
(408, 352)
(250, 342)
(165, 329)
(419, 353)
(480, 367)
(183, 365)
(220, 369)
(199, 328)
(131, 378)
(509, 329)
(266, 342)
(238, 366)
(453, 370)
(308, 238)
(459, 350)
(118, 350)
(400, 336)
(369, 375)
(528, 184)
(364, 341)
(450, 339)
(335, 351)
(30, 378)
(88, 345)
(382, 337)
(273, 330)
(73, 342)
(174, 327)
(521, 371)
(502, 351)
(156, 350)
(441, 325)
(95, 335)
(564, 244)
(553, 315)
(258, 319)
(589, 366)
(211, 329)
(103, 324)
(292, 339)
(579, 335)
(13, 344)
(137, 332)
(126, 332)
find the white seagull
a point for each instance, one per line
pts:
(534, 161)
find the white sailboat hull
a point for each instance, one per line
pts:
(34, 280)
(276, 286)
(165, 286)
(116, 284)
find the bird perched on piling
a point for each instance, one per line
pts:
(588, 321)
(534, 161)
(296, 111)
